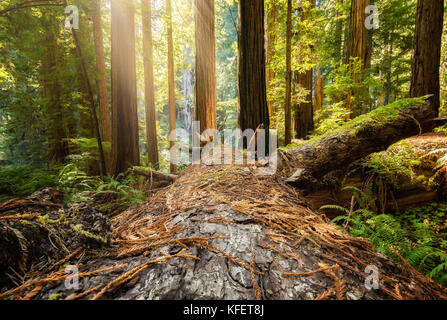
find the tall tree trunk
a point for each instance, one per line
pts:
(101, 81)
(253, 109)
(271, 36)
(304, 112)
(206, 96)
(125, 148)
(357, 47)
(149, 88)
(171, 83)
(93, 115)
(319, 93)
(206, 99)
(427, 51)
(339, 36)
(288, 104)
(58, 148)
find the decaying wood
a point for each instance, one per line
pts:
(261, 242)
(337, 149)
(155, 175)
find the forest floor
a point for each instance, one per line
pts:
(222, 232)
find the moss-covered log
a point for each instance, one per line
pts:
(355, 140)
(35, 234)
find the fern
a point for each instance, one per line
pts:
(419, 235)
(336, 208)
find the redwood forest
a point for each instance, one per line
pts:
(231, 150)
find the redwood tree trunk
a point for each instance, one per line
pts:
(253, 109)
(171, 83)
(427, 51)
(104, 111)
(206, 96)
(288, 104)
(319, 93)
(271, 36)
(304, 112)
(149, 90)
(124, 89)
(58, 148)
(357, 48)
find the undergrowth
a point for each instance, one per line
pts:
(418, 235)
(108, 194)
(22, 181)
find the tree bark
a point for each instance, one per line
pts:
(205, 82)
(101, 81)
(304, 112)
(149, 89)
(288, 104)
(251, 238)
(319, 93)
(171, 84)
(253, 109)
(125, 149)
(354, 141)
(357, 47)
(58, 148)
(271, 36)
(304, 115)
(427, 51)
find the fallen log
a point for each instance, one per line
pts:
(35, 234)
(224, 233)
(156, 175)
(358, 138)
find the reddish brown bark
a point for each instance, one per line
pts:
(125, 149)
(205, 86)
(253, 109)
(149, 89)
(288, 104)
(427, 51)
(171, 83)
(101, 81)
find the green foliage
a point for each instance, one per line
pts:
(419, 235)
(76, 184)
(442, 129)
(343, 79)
(381, 115)
(400, 163)
(22, 181)
(122, 193)
(330, 118)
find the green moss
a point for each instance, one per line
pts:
(56, 296)
(382, 115)
(78, 229)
